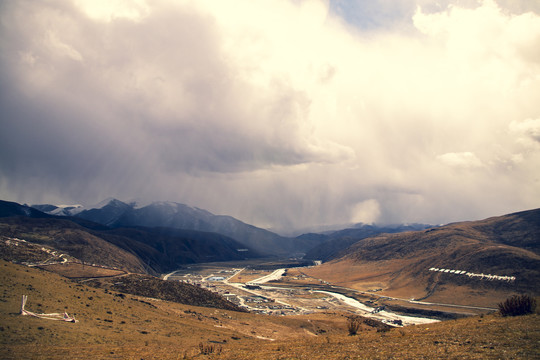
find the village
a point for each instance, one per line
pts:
(266, 292)
(249, 296)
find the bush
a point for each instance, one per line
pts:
(517, 305)
(209, 349)
(353, 325)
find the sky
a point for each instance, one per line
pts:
(285, 114)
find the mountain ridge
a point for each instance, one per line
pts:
(115, 213)
(337, 241)
(137, 249)
(402, 264)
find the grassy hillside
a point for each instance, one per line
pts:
(399, 263)
(149, 286)
(337, 241)
(73, 239)
(116, 326)
(166, 249)
(155, 251)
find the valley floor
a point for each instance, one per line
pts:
(291, 292)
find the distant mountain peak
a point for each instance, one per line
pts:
(115, 213)
(101, 204)
(138, 204)
(60, 210)
(70, 206)
(169, 214)
(116, 202)
(170, 204)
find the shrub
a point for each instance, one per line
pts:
(209, 349)
(517, 305)
(353, 325)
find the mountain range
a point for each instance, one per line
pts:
(333, 243)
(399, 260)
(165, 235)
(318, 246)
(114, 213)
(136, 249)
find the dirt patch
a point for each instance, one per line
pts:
(76, 270)
(248, 275)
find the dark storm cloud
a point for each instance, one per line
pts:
(91, 100)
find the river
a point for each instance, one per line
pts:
(383, 315)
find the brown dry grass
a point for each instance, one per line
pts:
(365, 276)
(472, 338)
(359, 276)
(129, 327)
(247, 275)
(126, 325)
(76, 270)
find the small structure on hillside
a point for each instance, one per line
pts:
(51, 316)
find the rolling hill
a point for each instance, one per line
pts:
(337, 241)
(449, 264)
(152, 250)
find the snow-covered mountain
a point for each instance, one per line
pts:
(59, 210)
(115, 213)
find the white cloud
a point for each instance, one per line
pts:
(109, 10)
(62, 48)
(463, 160)
(528, 129)
(367, 212)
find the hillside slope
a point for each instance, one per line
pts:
(116, 326)
(400, 263)
(166, 249)
(72, 239)
(338, 241)
(153, 250)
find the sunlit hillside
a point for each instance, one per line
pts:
(112, 325)
(468, 263)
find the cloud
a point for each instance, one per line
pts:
(367, 212)
(110, 10)
(284, 113)
(463, 159)
(528, 129)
